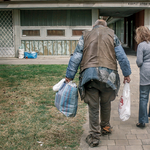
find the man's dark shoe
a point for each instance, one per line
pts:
(106, 130)
(91, 141)
(140, 125)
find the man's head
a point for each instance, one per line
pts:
(100, 22)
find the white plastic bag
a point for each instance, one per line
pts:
(124, 103)
(21, 53)
(57, 86)
(71, 83)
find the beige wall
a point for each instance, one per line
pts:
(147, 18)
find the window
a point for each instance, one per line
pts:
(80, 18)
(56, 17)
(30, 32)
(76, 32)
(55, 32)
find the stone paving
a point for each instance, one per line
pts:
(125, 135)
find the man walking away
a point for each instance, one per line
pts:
(97, 53)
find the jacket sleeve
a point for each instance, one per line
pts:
(139, 60)
(122, 58)
(75, 59)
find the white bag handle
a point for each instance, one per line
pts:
(57, 86)
(126, 89)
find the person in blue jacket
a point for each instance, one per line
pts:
(97, 53)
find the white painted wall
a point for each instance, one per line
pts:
(147, 18)
(16, 24)
(43, 32)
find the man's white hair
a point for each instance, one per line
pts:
(101, 22)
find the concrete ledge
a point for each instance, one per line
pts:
(38, 60)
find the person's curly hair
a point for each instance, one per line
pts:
(142, 34)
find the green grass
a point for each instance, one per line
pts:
(27, 111)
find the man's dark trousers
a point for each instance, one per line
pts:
(98, 96)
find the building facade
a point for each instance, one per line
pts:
(51, 28)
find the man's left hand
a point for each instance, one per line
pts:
(127, 79)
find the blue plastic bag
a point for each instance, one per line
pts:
(66, 100)
(32, 55)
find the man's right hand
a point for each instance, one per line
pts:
(127, 79)
(68, 80)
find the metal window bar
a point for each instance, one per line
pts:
(61, 48)
(66, 47)
(43, 47)
(47, 48)
(34, 45)
(25, 45)
(57, 47)
(38, 48)
(71, 47)
(52, 48)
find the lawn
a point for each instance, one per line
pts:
(28, 118)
